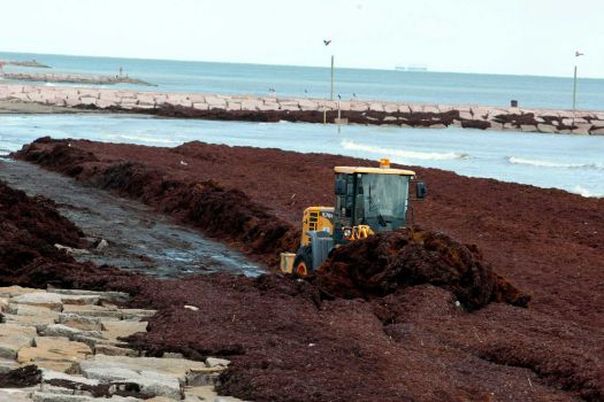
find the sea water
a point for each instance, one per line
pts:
(571, 163)
(393, 85)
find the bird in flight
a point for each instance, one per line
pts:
(326, 42)
(578, 53)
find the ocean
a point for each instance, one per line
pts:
(405, 86)
(571, 163)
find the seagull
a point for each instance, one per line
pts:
(578, 53)
(326, 42)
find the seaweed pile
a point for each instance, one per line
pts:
(406, 316)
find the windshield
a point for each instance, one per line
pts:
(382, 201)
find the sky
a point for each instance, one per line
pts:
(527, 37)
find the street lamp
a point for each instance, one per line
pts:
(327, 43)
(577, 54)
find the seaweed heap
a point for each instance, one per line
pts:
(381, 264)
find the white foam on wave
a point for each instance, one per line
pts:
(147, 139)
(400, 153)
(549, 164)
(582, 191)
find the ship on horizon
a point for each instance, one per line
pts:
(412, 67)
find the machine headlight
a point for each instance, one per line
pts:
(347, 232)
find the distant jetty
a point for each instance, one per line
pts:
(75, 78)
(26, 63)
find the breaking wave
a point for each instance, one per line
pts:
(548, 164)
(435, 156)
(144, 139)
(582, 191)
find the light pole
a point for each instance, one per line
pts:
(577, 54)
(327, 42)
(331, 90)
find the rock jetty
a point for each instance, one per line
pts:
(75, 78)
(26, 63)
(273, 109)
(64, 345)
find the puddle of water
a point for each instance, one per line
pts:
(139, 239)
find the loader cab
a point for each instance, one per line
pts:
(376, 197)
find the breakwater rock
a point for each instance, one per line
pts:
(75, 78)
(67, 345)
(26, 63)
(274, 109)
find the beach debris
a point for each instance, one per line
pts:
(101, 245)
(192, 308)
(71, 250)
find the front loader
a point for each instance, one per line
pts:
(369, 200)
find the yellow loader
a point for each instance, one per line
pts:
(369, 200)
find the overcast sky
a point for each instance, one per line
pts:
(489, 36)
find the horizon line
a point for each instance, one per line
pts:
(301, 65)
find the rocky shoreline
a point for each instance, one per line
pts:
(66, 345)
(274, 109)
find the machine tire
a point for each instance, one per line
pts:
(303, 262)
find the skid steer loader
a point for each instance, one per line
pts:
(369, 200)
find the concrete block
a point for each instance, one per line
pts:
(431, 109)
(135, 313)
(200, 106)
(80, 322)
(93, 311)
(528, 128)
(14, 337)
(67, 332)
(582, 129)
(391, 108)
(597, 131)
(121, 329)
(376, 107)
(52, 301)
(54, 353)
(546, 128)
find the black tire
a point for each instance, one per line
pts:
(303, 262)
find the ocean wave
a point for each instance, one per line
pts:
(549, 164)
(400, 153)
(582, 191)
(146, 139)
